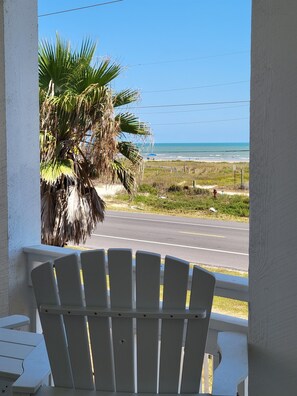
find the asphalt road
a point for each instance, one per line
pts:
(211, 242)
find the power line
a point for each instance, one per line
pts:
(200, 86)
(190, 104)
(189, 59)
(79, 8)
(201, 122)
(191, 111)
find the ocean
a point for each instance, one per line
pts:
(227, 152)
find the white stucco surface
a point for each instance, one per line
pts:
(273, 190)
(19, 148)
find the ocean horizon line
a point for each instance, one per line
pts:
(230, 152)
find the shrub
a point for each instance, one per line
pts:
(174, 188)
(147, 188)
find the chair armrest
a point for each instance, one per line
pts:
(233, 368)
(36, 371)
(14, 321)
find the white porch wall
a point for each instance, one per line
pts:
(273, 227)
(19, 149)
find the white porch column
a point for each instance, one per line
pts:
(273, 228)
(19, 149)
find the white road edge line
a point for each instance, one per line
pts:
(176, 222)
(170, 244)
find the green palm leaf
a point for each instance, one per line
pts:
(52, 171)
(55, 64)
(86, 52)
(125, 97)
(129, 123)
(106, 72)
(130, 152)
(125, 175)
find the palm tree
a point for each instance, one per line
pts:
(82, 135)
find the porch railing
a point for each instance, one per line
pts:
(227, 286)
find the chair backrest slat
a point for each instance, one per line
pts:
(201, 296)
(147, 297)
(44, 283)
(174, 296)
(121, 296)
(70, 292)
(95, 287)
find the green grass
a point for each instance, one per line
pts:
(230, 307)
(188, 203)
(166, 173)
(167, 188)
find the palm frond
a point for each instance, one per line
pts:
(125, 175)
(54, 63)
(106, 72)
(86, 52)
(129, 123)
(125, 97)
(130, 151)
(69, 213)
(50, 172)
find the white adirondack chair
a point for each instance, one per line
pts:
(105, 340)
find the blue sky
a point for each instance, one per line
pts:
(173, 52)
